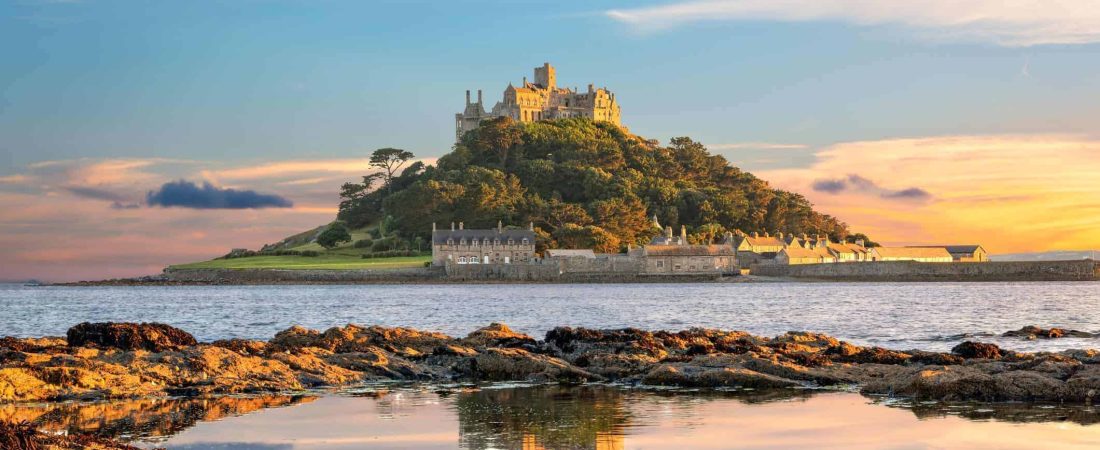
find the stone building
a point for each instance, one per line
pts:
(668, 254)
(848, 252)
(496, 246)
(541, 100)
(756, 249)
(965, 253)
(799, 255)
(919, 254)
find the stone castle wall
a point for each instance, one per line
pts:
(1080, 270)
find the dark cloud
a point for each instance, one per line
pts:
(186, 194)
(94, 193)
(858, 184)
(120, 205)
(909, 194)
(830, 186)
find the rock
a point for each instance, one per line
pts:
(933, 358)
(951, 383)
(1027, 386)
(497, 335)
(243, 346)
(294, 338)
(1034, 332)
(694, 376)
(26, 436)
(33, 345)
(969, 350)
(129, 336)
(501, 364)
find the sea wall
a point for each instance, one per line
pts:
(265, 276)
(567, 270)
(1078, 270)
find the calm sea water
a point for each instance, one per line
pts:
(553, 417)
(894, 315)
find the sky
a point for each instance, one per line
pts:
(136, 134)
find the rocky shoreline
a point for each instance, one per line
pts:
(125, 360)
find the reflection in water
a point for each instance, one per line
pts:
(557, 417)
(141, 418)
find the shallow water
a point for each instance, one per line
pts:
(932, 316)
(553, 417)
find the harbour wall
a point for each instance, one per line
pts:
(296, 276)
(1078, 270)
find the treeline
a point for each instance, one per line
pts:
(582, 183)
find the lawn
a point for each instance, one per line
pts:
(324, 261)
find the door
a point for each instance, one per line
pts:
(486, 259)
(507, 260)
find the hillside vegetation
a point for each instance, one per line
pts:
(581, 183)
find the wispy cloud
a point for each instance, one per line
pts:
(1004, 22)
(858, 184)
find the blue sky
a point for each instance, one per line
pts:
(989, 106)
(252, 79)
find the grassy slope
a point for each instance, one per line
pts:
(325, 261)
(343, 257)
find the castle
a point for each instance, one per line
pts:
(541, 100)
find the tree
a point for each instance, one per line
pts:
(867, 242)
(334, 235)
(390, 161)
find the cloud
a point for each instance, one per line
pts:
(856, 183)
(186, 194)
(1010, 193)
(94, 193)
(1003, 22)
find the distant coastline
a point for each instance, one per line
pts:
(895, 271)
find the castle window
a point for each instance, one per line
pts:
(511, 241)
(660, 264)
(485, 241)
(463, 241)
(496, 241)
(524, 241)
(462, 260)
(450, 241)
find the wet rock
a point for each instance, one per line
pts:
(500, 364)
(26, 436)
(294, 338)
(933, 358)
(951, 383)
(696, 376)
(847, 353)
(243, 346)
(970, 350)
(129, 336)
(1034, 332)
(34, 345)
(497, 335)
(1027, 386)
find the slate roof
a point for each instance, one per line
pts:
(689, 250)
(570, 253)
(441, 236)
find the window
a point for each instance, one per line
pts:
(485, 242)
(496, 241)
(677, 267)
(463, 241)
(524, 241)
(474, 242)
(450, 241)
(462, 260)
(660, 264)
(511, 241)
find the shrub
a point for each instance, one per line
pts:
(363, 243)
(334, 235)
(380, 245)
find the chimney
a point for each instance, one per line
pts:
(860, 242)
(530, 226)
(668, 232)
(460, 225)
(500, 227)
(479, 96)
(755, 234)
(467, 96)
(524, 81)
(590, 88)
(452, 226)
(766, 234)
(780, 235)
(433, 227)
(683, 234)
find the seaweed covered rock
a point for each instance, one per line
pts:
(1034, 332)
(154, 337)
(970, 350)
(497, 335)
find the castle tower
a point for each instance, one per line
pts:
(546, 76)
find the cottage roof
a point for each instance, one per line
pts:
(441, 236)
(967, 249)
(570, 253)
(764, 241)
(844, 247)
(689, 250)
(912, 252)
(802, 253)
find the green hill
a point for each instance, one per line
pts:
(582, 184)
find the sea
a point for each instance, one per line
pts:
(928, 316)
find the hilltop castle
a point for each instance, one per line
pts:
(541, 100)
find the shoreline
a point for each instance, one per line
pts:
(128, 360)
